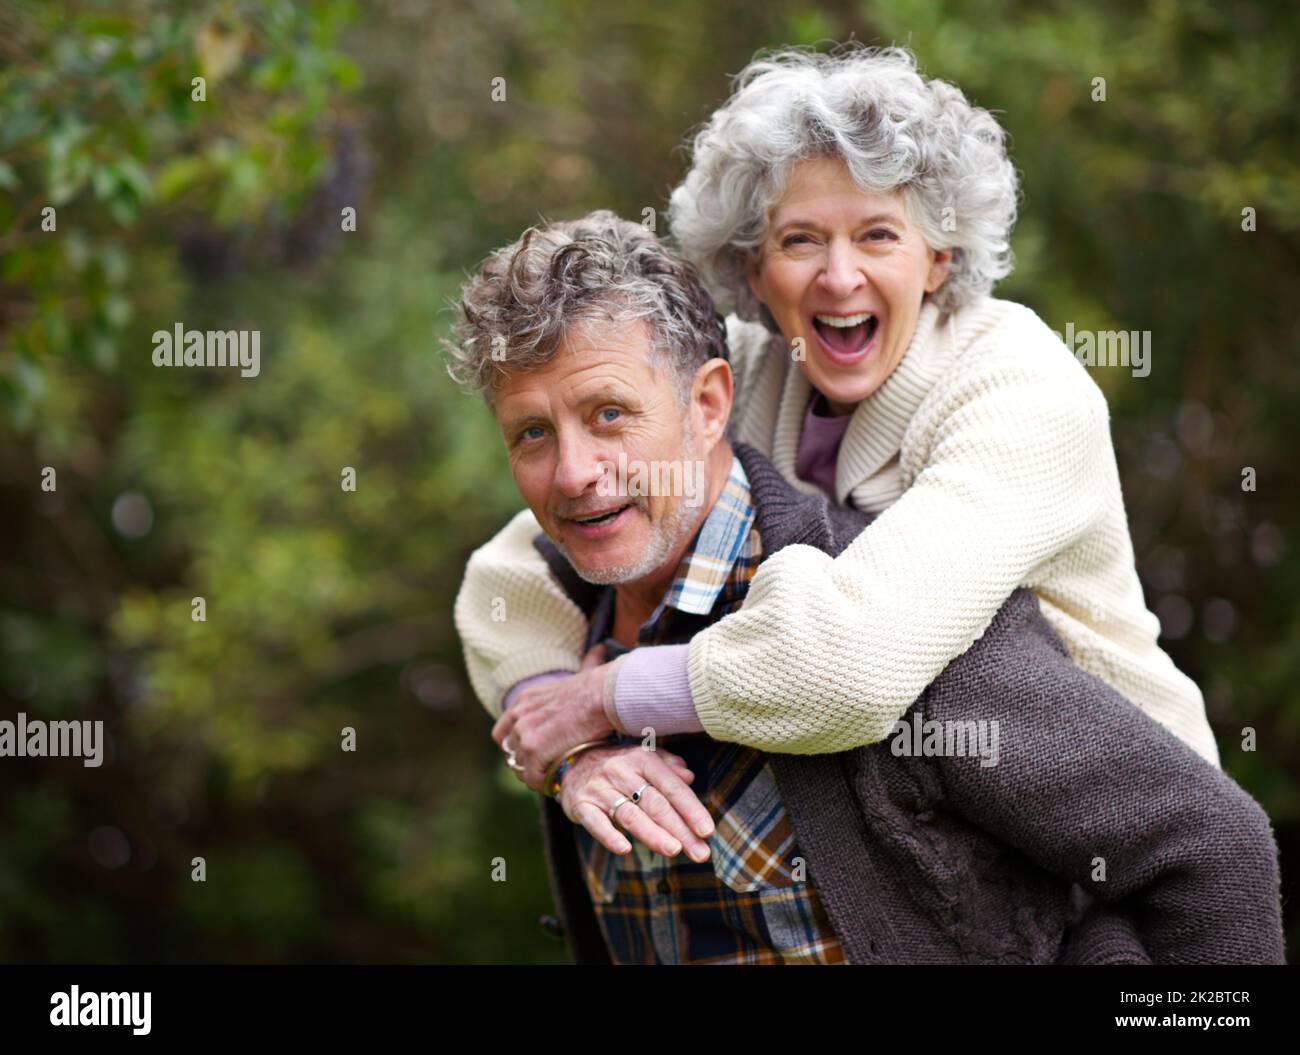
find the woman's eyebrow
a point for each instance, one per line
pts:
(880, 217)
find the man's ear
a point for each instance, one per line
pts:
(940, 264)
(711, 394)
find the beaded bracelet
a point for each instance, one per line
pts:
(553, 790)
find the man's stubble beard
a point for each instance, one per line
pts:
(666, 535)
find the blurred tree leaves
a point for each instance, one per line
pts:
(100, 116)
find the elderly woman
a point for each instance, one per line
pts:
(855, 217)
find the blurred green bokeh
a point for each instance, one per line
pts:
(328, 608)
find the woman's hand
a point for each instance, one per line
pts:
(668, 817)
(553, 716)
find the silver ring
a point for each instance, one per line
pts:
(622, 800)
(510, 756)
(636, 795)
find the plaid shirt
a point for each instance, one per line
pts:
(752, 901)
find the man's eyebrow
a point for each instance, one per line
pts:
(609, 394)
(880, 217)
(523, 421)
(604, 394)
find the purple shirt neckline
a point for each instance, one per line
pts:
(819, 444)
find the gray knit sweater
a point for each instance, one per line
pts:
(1098, 837)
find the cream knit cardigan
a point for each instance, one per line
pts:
(987, 455)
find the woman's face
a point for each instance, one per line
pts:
(845, 271)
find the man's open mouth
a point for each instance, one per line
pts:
(600, 518)
(846, 334)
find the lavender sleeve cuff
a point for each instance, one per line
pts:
(653, 690)
(536, 679)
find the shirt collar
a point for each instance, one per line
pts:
(708, 562)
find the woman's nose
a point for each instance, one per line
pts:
(842, 274)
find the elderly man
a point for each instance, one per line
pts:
(1024, 812)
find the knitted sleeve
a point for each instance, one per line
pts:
(513, 617)
(826, 654)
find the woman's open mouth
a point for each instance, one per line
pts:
(846, 339)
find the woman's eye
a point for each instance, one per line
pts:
(795, 239)
(880, 234)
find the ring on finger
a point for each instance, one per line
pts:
(622, 800)
(636, 795)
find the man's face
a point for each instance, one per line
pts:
(565, 426)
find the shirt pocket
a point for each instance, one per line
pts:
(752, 849)
(609, 875)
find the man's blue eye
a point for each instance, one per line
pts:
(533, 432)
(610, 410)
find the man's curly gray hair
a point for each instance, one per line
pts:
(560, 278)
(893, 129)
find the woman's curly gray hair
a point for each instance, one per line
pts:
(892, 128)
(559, 278)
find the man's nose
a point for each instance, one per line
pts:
(842, 274)
(580, 464)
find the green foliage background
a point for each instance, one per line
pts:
(328, 609)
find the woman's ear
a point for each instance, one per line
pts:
(754, 276)
(940, 265)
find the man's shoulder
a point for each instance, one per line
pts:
(1020, 670)
(786, 516)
